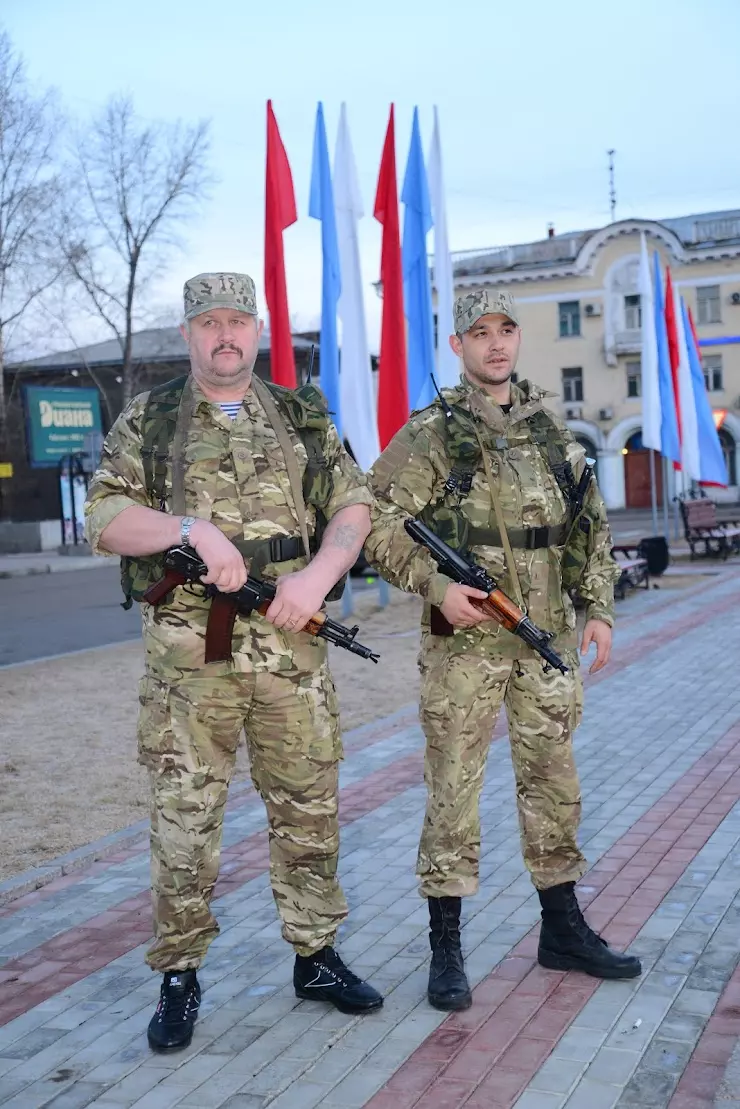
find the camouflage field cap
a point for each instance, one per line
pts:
(482, 302)
(219, 290)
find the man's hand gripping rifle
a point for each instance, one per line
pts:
(497, 605)
(183, 565)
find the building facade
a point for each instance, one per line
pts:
(579, 304)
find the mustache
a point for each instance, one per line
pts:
(227, 346)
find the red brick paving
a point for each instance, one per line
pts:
(501, 1042)
(705, 1070)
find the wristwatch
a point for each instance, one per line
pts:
(185, 525)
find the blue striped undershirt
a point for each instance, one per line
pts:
(231, 408)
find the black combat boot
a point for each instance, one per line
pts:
(567, 942)
(171, 1027)
(448, 984)
(324, 977)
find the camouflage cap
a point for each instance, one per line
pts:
(482, 302)
(219, 290)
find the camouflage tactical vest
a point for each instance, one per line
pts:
(447, 516)
(303, 409)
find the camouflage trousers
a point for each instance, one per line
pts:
(188, 733)
(461, 696)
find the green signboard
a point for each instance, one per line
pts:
(58, 421)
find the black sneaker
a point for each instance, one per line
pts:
(324, 977)
(171, 1027)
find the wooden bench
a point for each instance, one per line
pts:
(633, 570)
(701, 526)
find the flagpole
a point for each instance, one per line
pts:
(666, 526)
(653, 492)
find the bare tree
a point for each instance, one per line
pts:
(30, 190)
(137, 183)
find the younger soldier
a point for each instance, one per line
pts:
(223, 462)
(486, 465)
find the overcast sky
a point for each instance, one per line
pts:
(531, 95)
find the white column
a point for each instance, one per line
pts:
(611, 478)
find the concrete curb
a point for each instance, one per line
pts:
(56, 564)
(38, 876)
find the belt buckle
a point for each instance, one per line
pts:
(275, 550)
(536, 538)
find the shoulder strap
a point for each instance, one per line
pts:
(158, 430)
(549, 439)
(278, 425)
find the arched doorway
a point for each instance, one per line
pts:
(590, 448)
(637, 473)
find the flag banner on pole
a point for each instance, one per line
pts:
(448, 364)
(356, 387)
(712, 466)
(671, 327)
(321, 207)
(417, 288)
(280, 212)
(651, 406)
(393, 403)
(669, 442)
(687, 405)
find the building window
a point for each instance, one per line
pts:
(573, 385)
(712, 364)
(707, 304)
(570, 318)
(730, 455)
(634, 379)
(632, 313)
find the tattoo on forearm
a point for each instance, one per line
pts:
(345, 537)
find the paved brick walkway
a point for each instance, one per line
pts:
(659, 756)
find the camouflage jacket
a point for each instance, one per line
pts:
(235, 476)
(410, 475)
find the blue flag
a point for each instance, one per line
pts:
(669, 442)
(321, 207)
(711, 459)
(417, 287)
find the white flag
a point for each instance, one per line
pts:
(356, 389)
(690, 462)
(651, 408)
(448, 366)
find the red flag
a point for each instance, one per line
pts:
(393, 400)
(280, 212)
(673, 354)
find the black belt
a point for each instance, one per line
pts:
(277, 549)
(527, 539)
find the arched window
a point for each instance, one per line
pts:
(728, 450)
(634, 443)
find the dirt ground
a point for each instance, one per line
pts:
(68, 770)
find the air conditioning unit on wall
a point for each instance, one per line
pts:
(606, 413)
(592, 310)
(573, 412)
(735, 298)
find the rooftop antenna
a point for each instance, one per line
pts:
(612, 189)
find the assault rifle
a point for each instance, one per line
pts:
(497, 604)
(183, 565)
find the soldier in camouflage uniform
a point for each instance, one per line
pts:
(489, 456)
(228, 487)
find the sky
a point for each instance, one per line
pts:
(530, 95)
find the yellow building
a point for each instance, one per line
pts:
(580, 312)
